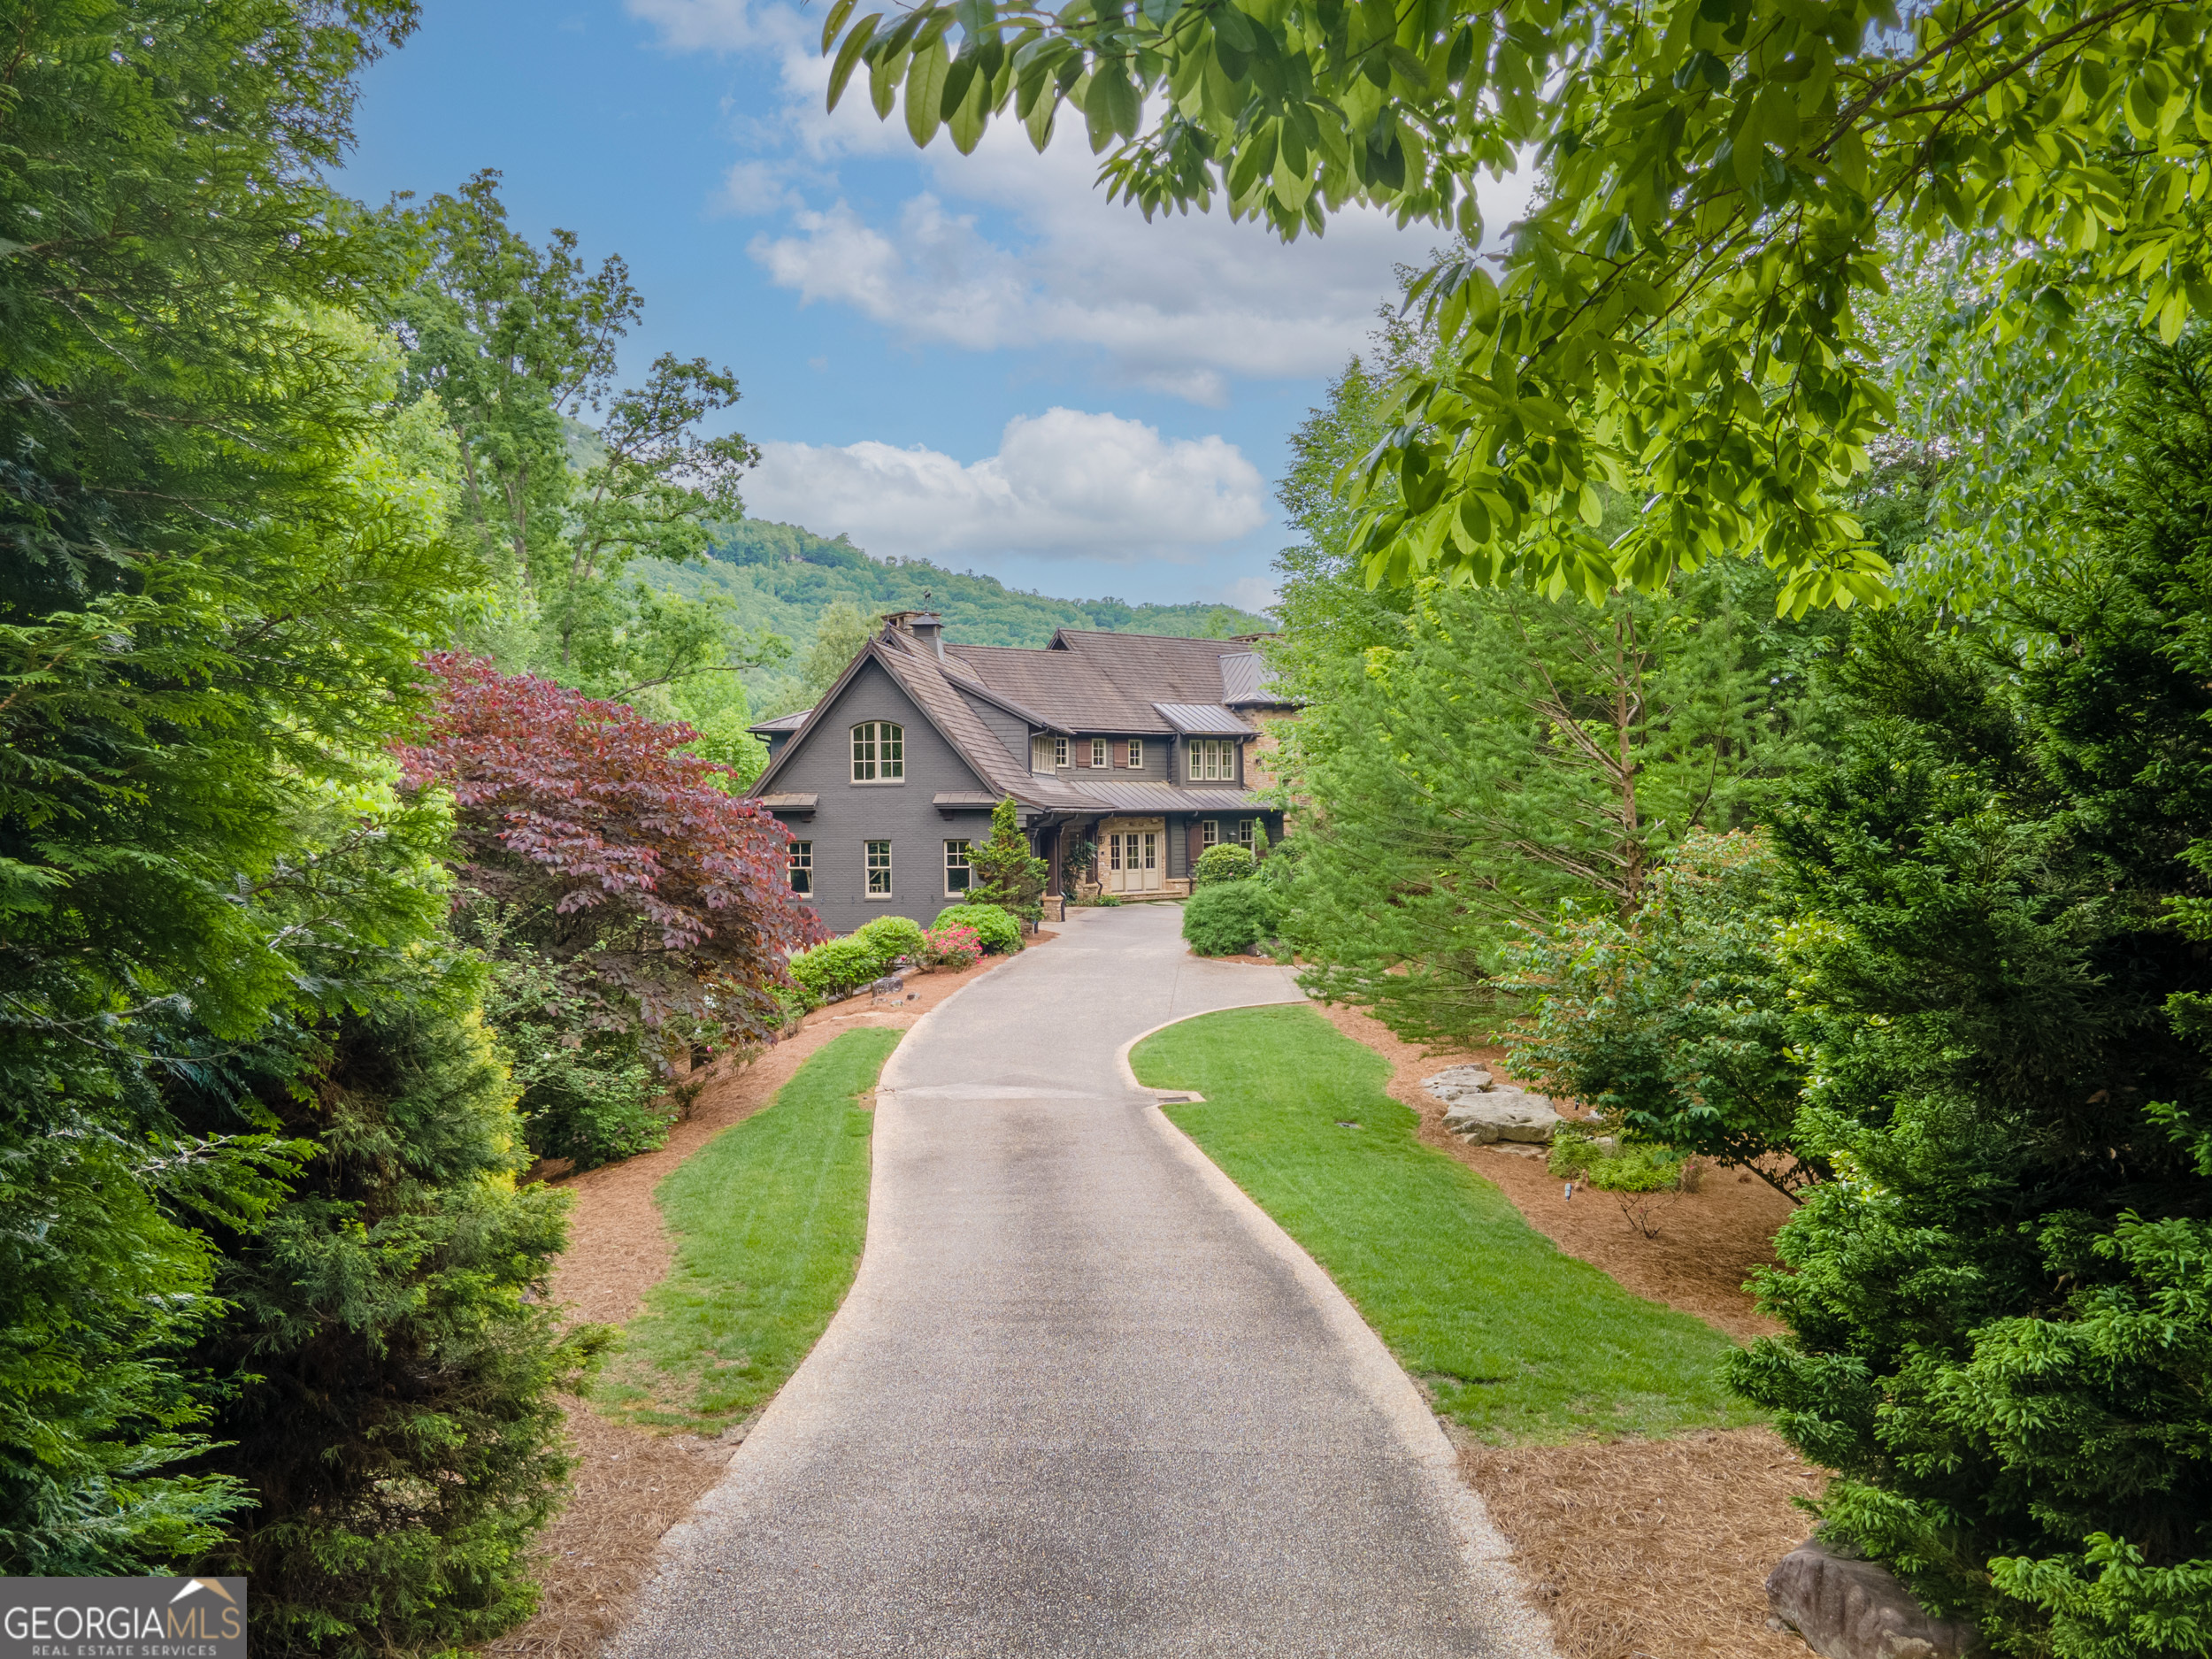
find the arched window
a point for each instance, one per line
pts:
(879, 752)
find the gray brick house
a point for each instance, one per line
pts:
(1150, 749)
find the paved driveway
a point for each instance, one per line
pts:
(1083, 1399)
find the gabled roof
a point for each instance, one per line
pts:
(1125, 684)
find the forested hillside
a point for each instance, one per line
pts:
(782, 577)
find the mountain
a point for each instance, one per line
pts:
(782, 577)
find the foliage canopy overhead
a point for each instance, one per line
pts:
(1678, 314)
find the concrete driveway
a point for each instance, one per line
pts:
(1083, 1399)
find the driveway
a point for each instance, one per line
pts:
(1083, 1398)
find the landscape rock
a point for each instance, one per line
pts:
(1857, 1610)
(1502, 1114)
(1458, 1083)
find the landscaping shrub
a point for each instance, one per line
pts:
(953, 947)
(892, 937)
(1230, 917)
(1001, 933)
(838, 967)
(1225, 863)
(1635, 1167)
(1672, 1023)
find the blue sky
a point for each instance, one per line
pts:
(976, 359)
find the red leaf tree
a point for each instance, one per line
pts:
(612, 850)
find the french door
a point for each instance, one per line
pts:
(1132, 862)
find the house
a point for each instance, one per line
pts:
(1127, 754)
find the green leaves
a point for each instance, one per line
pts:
(1689, 289)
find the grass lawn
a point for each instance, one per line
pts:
(768, 1218)
(1517, 1341)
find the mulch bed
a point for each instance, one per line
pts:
(630, 1486)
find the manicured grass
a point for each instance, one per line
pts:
(1516, 1341)
(769, 1218)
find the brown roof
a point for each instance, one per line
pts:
(1090, 681)
(1083, 682)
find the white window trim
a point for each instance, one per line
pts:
(879, 763)
(1209, 833)
(867, 871)
(1136, 754)
(1059, 751)
(967, 845)
(1098, 754)
(793, 867)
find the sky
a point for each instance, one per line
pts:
(976, 359)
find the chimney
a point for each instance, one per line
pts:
(929, 627)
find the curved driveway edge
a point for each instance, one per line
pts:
(1083, 1398)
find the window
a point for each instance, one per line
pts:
(1210, 832)
(879, 752)
(1213, 759)
(1113, 852)
(958, 872)
(878, 862)
(1244, 832)
(1098, 751)
(802, 867)
(1136, 753)
(1059, 751)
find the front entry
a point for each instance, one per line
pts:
(1133, 854)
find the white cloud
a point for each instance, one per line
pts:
(752, 189)
(1063, 484)
(1008, 249)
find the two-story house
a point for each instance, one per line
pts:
(1139, 747)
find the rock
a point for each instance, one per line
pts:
(1857, 1610)
(1457, 1084)
(1502, 1114)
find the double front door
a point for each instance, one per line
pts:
(1133, 861)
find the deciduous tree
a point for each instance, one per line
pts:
(1678, 313)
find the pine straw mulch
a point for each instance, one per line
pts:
(630, 1486)
(1638, 1549)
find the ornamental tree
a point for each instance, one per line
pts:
(613, 853)
(1007, 873)
(1678, 316)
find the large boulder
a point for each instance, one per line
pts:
(1478, 1109)
(1502, 1114)
(1457, 1083)
(1857, 1610)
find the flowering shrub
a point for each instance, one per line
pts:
(951, 946)
(892, 937)
(1000, 933)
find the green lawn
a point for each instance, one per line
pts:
(1518, 1342)
(768, 1218)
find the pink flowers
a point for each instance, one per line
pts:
(951, 946)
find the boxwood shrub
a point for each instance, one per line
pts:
(1001, 933)
(1225, 863)
(892, 937)
(1230, 917)
(838, 967)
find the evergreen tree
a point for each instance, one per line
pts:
(2000, 1326)
(387, 1361)
(1007, 873)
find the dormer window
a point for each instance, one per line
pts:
(1059, 751)
(879, 752)
(1098, 751)
(1136, 754)
(1213, 760)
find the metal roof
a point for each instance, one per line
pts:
(960, 797)
(1165, 797)
(782, 722)
(1206, 719)
(789, 803)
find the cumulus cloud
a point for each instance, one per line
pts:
(1010, 249)
(1063, 484)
